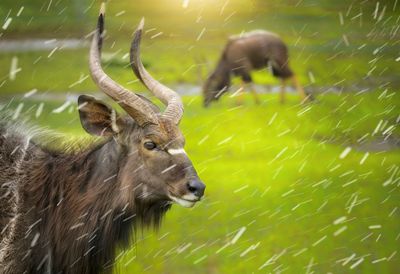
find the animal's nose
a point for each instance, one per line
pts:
(196, 187)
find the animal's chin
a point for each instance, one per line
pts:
(183, 202)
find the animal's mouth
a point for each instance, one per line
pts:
(183, 201)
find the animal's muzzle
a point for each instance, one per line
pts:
(196, 187)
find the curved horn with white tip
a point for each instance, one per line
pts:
(136, 107)
(170, 98)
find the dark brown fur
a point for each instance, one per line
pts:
(64, 212)
(71, 202)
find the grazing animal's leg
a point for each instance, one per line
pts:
(247, 83)
(255, 95)
(250, 87)
(283, 90)
(299, 88)
(281, 70)
(240, 95)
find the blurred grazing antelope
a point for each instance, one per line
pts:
(63, 212)
(242, 54)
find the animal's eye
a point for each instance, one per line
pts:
(150, 145)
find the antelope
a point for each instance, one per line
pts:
(66, 212)
(254, 50)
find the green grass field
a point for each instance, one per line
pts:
(290, 188)
(277, 177)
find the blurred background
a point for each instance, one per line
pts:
(290, 188)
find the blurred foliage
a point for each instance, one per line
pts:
(332, 43)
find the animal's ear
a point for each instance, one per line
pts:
(97, 118)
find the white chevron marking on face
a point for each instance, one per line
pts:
(176, 151)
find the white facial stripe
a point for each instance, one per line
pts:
(176, 151)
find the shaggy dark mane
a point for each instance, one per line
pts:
(69, 202)
(66, 210)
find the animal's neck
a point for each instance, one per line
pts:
(223, 66)
(79, 208)
(223, 70)
(84, 176)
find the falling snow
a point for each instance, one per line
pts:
(291, 188)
